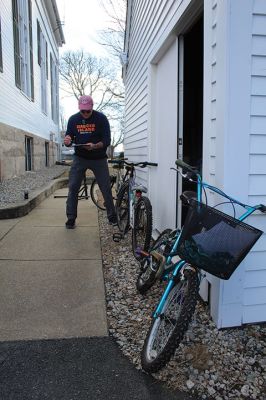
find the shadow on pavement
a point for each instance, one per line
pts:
(74, 369)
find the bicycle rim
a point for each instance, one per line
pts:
(96, 194)
(168, 329)
(141, 233)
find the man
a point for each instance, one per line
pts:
(90, 130)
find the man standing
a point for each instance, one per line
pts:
(90, 130)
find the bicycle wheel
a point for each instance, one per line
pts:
(149, 269)
(122, 208)
(141, 232)
(168, 329)
(96, 194)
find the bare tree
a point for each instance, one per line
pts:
(63, 121)
(113, 36)
(82, 73)
(113, 39)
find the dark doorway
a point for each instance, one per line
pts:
(193, 101)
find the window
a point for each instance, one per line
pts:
(47, 154)
(28, 153)
(54, 90)
(42, 61)
(23, 56)
(1, 55)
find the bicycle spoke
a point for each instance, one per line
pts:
(168, 320)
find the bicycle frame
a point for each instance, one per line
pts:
(134, 193)
(120, 177)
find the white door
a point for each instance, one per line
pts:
(163, 138)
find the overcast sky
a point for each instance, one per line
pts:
(81, 21)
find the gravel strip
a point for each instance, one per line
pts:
(12, 190)
(209, 363)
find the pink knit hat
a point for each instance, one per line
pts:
(85, 103)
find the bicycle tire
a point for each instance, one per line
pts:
(96, 194)
(142, 230)
(147, 275)
(122, 208)
(174, 317)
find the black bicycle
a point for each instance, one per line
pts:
(94, 192)
(134, 210)
(116, 181)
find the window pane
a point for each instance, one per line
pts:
(28, 153)
(16, 43)
(22, 29)
(1, 55)
(54, 90)
(43, 72)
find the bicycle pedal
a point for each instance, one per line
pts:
(117, 237)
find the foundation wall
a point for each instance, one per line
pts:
(12, 152)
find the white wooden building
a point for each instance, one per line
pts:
(30, 36)
(195, 79)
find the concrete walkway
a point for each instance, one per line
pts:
(51, 278)
(54, 341)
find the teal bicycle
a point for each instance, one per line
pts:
(210, 241)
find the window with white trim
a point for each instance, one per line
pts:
(54, 90)
(1, 54)
(23, 55)
(42, 61)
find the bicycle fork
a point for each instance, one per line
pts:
(168, 289)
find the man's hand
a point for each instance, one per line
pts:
(93, 146)
(67, 140)
(89, 146)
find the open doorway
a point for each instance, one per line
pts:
(192, 120)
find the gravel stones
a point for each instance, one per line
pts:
(12, 190)
(209, 363)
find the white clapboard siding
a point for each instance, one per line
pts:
(254, 301)
(234, 159)
(148, 20)
(28, 115)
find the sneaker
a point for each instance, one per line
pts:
(70, 224)
(113, 221)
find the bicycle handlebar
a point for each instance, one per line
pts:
(262, 208)
(151, 164)
(186, 167)
(141, 164)
(118, 161)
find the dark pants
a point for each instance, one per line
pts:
(76, 176)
